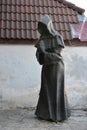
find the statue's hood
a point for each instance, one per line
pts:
(48, 23)
(46, 20)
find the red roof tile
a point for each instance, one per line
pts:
(83, 36)
(80, 31)
(18, 18)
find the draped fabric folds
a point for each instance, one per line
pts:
(52, 102)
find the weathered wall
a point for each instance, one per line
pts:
(20, 76)
(76, 75)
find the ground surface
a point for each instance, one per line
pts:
(24, 119)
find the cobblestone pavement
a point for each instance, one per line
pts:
(24, 119)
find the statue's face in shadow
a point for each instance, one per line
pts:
(42, 28)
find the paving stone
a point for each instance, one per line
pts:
(24, 119)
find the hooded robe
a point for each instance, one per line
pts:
(52, 103)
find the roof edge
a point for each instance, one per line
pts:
(71, 5)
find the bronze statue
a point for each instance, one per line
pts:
(52, 104)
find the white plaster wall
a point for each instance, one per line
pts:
(20, 76)
(76, 76)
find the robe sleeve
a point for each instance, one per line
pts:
(51, 58)
(47, 58)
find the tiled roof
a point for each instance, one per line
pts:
(18, 18)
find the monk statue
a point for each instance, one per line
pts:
(52, 104)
